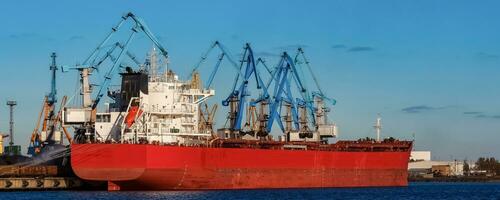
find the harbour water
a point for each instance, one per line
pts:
(413, 191)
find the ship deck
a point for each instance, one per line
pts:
(362, 145)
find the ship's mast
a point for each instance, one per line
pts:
(378, 126)
(153, 68)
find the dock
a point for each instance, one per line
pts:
(45, 183)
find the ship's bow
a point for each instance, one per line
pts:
(108, 162)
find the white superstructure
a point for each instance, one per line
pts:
(165, 111)
(167, 114)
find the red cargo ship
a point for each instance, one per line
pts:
(243, 165)
(146, 142)
(156, 135)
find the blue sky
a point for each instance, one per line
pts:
(429, 67)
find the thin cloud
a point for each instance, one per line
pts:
(360, 49)
(292, 47)
(473, 113)
(339, 46)
(76, 37)
(22, 35)
(488, 55)
(483, 116)
(25, 36)
(423, 108)
(417, 109)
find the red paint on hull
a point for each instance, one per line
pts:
(153, 167)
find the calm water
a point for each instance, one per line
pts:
(414, 191)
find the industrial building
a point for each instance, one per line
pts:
(421, 165)
(420, 156)
(441, 168)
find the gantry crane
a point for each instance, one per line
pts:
(299, 113)
(237, 99)
(317, 98)
(305, 114)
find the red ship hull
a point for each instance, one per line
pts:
(154, 167)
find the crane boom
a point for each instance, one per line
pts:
(226, 53)
(149, 34)
(278, 91)
(139, 25)
(106, 39)
(107, 77)
(306, 61)
(212, 75)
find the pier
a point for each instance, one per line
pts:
(45, 183)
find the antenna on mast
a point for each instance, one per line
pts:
(378, 126)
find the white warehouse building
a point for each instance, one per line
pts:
(420, 156)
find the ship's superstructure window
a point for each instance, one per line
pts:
(174, 130)
(103, 118)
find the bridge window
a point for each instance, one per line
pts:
(105, 118)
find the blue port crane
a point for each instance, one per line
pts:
(48, 118)
(282, 92)
(214, 71)
(265, 99)
(324, 97)
(319, 93)
(47, 113)
(139, 26)
(52, 97)
(240, 90)
(237, 99)
(93, 61)
(265, 96)
(302, 109)
(301, 59)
